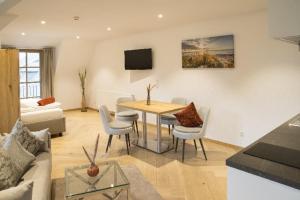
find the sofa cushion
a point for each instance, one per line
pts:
(40, 174)
(21, 158)
(2, 138)
(9, 174)
(44, 136)
(26, 138)
(22, 192)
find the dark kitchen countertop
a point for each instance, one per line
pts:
(285, 136)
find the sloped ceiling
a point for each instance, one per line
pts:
(5, 5)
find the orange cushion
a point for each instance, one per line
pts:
(189, 116)
(46, 101)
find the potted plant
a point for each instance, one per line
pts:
(82, 77)
(149, 88)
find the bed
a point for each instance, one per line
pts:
(37, 117)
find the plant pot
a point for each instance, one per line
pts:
(93, 170)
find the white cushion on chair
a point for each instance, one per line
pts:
(127, 113)
(119, 125)
(188, 129)
(168, 116)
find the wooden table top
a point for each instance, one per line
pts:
(155, 107)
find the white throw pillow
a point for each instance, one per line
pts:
(43, 135)
(20, 192)
(18, 154)
(24, 136)
(9, 173)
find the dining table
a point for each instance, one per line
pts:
(158, 108)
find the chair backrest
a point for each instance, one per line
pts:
(204, 113)
(121, 100)
(105, 117)
(179, 100)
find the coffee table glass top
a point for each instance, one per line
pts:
(110, 177)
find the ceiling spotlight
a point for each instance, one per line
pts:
(108, 29)
(23, 33)
(43, 22)
(160, 16)
(76, 18)
(77, 37)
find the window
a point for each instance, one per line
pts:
(30, 85)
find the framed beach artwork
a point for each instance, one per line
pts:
(208, 52)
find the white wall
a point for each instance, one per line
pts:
(72, 56)
(260, 93)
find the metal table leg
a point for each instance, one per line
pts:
(158, 125)
(144, 118)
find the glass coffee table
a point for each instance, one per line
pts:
(110, 182)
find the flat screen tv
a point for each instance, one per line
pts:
(138, 59)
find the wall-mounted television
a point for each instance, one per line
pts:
(138, 59)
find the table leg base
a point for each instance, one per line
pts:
(151, 145)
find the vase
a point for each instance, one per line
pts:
(83, 104)
(93, 170)
(148, 98)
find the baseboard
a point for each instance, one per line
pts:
(225, 144)
(71, 109)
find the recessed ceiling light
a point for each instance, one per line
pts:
(77, 37)
(43, 22)
(160, 16)
(108, 29)
(23, 33)
(76, 18)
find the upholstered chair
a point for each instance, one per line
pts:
(127, 115)
(169, 119)
(114, 127)
(192, 133)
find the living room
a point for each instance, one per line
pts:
(245, 99)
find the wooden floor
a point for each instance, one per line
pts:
(192, 180)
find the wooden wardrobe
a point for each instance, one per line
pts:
(9, 89)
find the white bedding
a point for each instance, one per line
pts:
(31, 105)
(42, 115)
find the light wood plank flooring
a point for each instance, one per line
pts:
(192, 180)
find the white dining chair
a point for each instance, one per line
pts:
(114, 127)
(169, 119)
(127, 115)
(192, 133)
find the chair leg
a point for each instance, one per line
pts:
(173, 138)
(127, 146)
(108, 142)
(203, 148)
(137, 129)
(169, 128)
(195, 145)
(183, 148)
(133, 126)
(128, 139)
(176, 145)
(110, 139)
